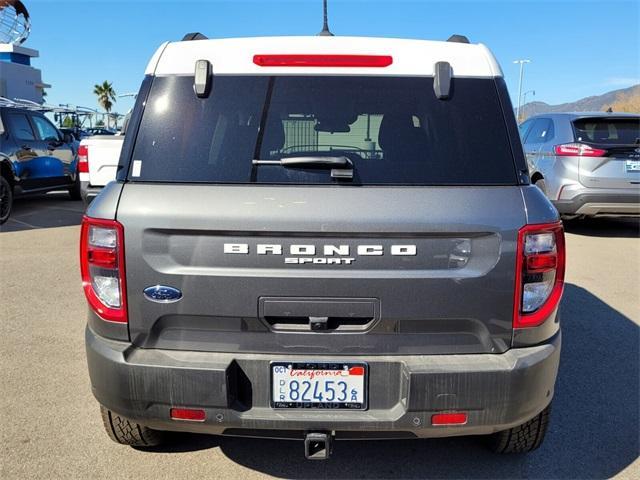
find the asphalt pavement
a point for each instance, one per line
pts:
(50, 424)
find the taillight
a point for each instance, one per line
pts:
(102, 268)
(540, 266)
(83, 159)
(578, 150)
(371, 61)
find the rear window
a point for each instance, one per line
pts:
(393, 129)
(613, 131)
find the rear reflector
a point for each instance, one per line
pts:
(188, 414)
(364, 61)
(458, 418)
(578, 150)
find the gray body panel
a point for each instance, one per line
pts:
(429, 303)
(442, 337)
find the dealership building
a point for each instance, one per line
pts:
(18, 79)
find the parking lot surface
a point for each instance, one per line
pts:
(50, 424)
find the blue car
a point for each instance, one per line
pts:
(35, 157)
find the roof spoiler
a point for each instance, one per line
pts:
(195, 36)
(458, 39)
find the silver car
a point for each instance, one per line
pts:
(586, 163)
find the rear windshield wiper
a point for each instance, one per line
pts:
(341, 167)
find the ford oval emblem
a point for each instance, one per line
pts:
(162, 294)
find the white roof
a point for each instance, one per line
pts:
(410, 57)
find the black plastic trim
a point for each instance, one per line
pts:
(520, 162)
(194, 36)
(573, 205)
(455, 38)
(132, 130)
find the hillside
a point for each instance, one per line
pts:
(588, 104)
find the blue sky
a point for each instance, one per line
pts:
(577, 48)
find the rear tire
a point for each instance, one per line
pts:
(541, 185)
(6, 200)
(127, 432)
(74, 190)
(523, 438)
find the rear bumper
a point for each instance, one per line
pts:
(88, 192)
(498, 391)
(601, 204)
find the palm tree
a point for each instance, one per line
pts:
(106, 96)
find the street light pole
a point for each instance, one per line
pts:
(521, 62)
(524, 96)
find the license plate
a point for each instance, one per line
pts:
(633, 165)
(319, 385)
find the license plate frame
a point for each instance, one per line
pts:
(632, 166)
(320, 366)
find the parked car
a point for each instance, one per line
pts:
(100, 131)
(35, 157)
(324, 238)
(586, 163)
(98, 158)
(76, 132)
(97, 163)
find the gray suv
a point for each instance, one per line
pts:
(324, 245)
(586, 163)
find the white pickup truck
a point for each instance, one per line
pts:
(98, 158)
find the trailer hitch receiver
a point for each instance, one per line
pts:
(317, 445)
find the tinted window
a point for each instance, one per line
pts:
(46, 131)
(394, 130)
(524, 129)
(608, 130)
(125, 123)
(541, 132)
(20, 127)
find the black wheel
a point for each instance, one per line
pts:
(74, 190)
(6, 200)
(127, 432)
(523, 438)
(541, 185)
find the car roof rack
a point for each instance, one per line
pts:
(458, 39)
(23, 104)
(33, 106)
(194, 36)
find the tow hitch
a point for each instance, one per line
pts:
(317, 445)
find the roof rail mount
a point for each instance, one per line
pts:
(458, 39)
(194, 36)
